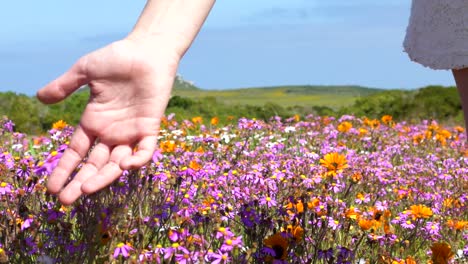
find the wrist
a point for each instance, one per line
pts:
(171, 45)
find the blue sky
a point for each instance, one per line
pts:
(244, 43)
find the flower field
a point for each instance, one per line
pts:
(299, 190)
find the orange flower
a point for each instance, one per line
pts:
(410, 260)
(314, 203)
(459, 129)
(387, 119)
(366, 224)
(334, 162)
(351, 213)
(279, 243)
(194, 165)
(297, 118)
(417, 139)
(356, 177)
(344, 127)
(457, 225)
(296, 231)
(197, 120)
(167, 146)
(421, 211)
(214, 121)
(200, 150)
(59, 125)
(363, 132)
(295, 208)
(441, 253)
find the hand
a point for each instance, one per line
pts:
(131, 82)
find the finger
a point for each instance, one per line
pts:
(145, 152)
(109, 173)
(66, 84)
(80, 143)
(98, 157)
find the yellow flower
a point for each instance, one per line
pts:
(344, 127)
(334, 162)
(421, 211)
(279, 243)
(59, 125)
(441, 253)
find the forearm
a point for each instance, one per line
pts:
(175, 21)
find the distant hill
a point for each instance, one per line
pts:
(184, 85)
(302, 95)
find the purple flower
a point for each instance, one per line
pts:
(8, 126)
(325, 254)
(219, 258)
(432, 228)
(122, 249)
(5, 188)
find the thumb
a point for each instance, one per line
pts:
(65, 85)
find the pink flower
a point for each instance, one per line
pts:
(122, 249)
(219, 258)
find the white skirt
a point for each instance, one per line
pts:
(437, 34)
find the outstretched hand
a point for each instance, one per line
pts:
(130, 82)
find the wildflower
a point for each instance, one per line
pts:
(122, 249)
(420, 211)
(268, 201)
(295, 208)
(363, 132)
(356, 177)
(295, 231)
(408, 224)
(290, 129)
(365, 224)
(345, 127)
(3, 255)
(432, 228)
(214, 121)
(387, 119)
(410, 260)
(167, 146)
(5, 188)
(186, 256)
(219, 258)
(441, 253)
(325, 254)
(457, 225)
(230, 243)
(197, 120)
(279, 244)
(194, 165)
(334, 162)
(59, 125)
(351, 213)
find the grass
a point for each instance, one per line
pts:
(331, 96)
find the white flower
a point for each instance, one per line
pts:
(17, 147)
(289, 129)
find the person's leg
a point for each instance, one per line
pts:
(461, 79)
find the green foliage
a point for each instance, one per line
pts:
(432, 102)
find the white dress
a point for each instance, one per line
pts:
(437, 34)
